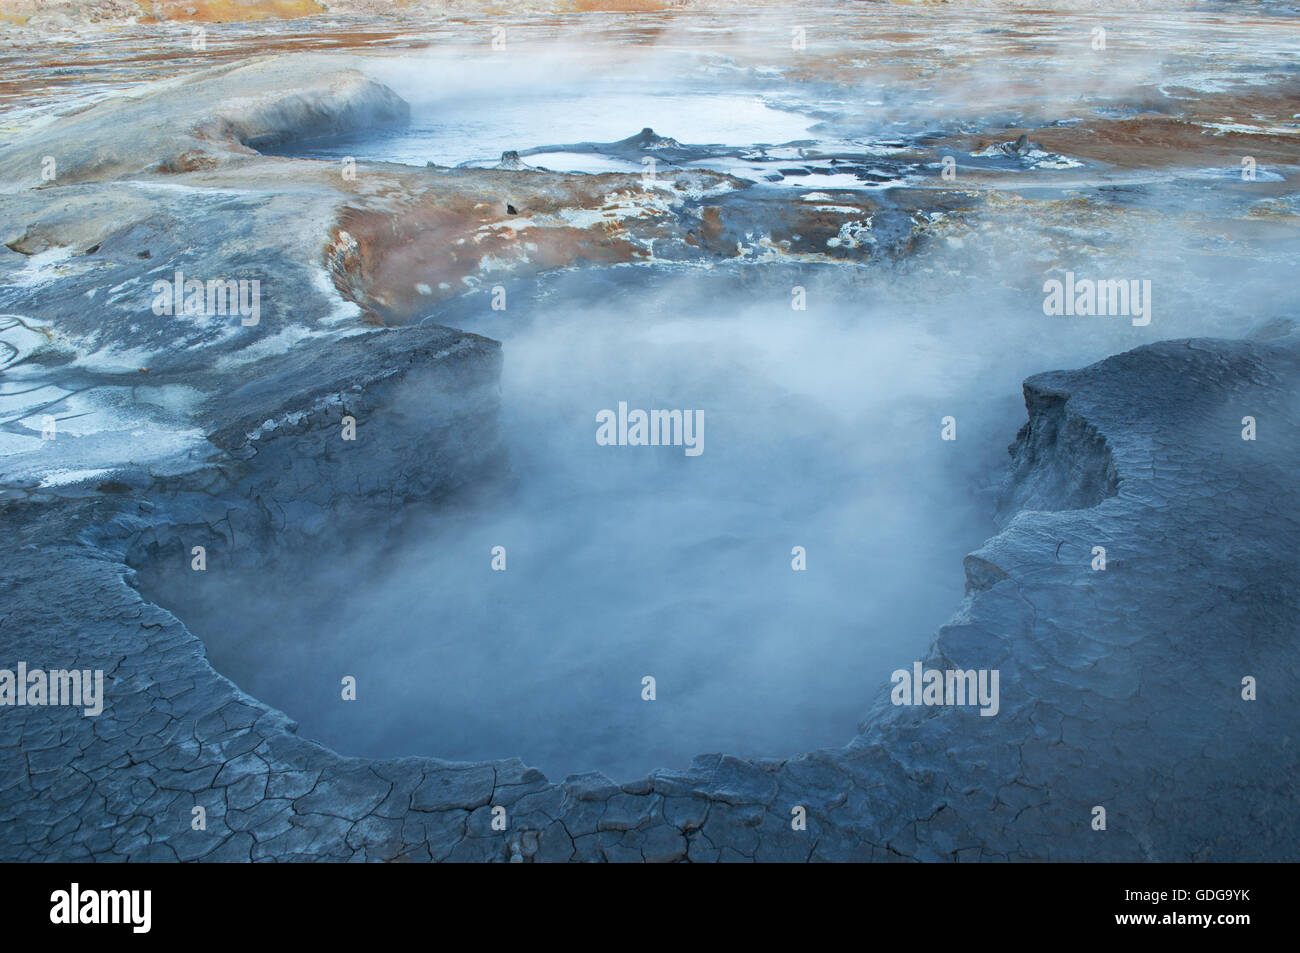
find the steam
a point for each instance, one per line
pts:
(623, 561)
(823, 432)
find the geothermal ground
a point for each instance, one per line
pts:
(342, 536)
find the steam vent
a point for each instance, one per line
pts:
(648, 431)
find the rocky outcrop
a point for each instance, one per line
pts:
(1059, 459)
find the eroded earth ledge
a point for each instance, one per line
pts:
(1118, 688)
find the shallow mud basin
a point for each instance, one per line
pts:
(524, 619)
(617, 563)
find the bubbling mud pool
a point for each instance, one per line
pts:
(623, 562)
(822, 430)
